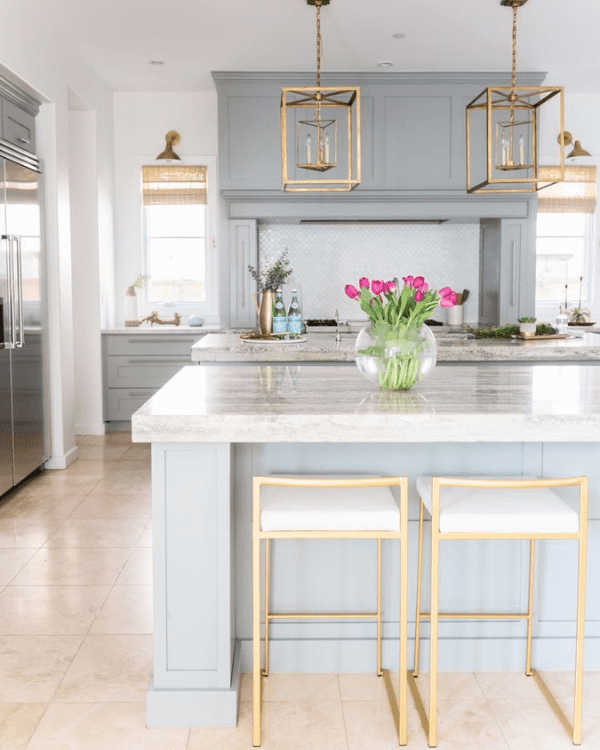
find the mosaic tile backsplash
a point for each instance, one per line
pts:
(327, 257)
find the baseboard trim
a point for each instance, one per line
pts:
(62, 462)
(195, 707)
(455, 654)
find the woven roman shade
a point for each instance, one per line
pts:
(173, 185)
(577, 194)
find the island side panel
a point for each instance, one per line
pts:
(193, 601)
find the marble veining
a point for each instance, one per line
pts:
(322, 347)
(295, 403)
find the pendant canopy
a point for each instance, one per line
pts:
(320, 133)
(503, 127)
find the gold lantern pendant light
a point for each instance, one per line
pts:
(321, 148)
(510, 116)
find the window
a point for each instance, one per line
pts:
(177, 257)
(564, 255)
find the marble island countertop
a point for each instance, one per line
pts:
(471, 403)
(322, 347)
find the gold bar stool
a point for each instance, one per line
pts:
(494, 508)
(328, 508)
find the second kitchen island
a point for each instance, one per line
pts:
(212, 428)
(229, 348)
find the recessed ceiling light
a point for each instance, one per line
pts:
(385, 64)
(398, 35)
(157, 62)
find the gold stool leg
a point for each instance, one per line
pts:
(418, 612)
(379, 669)
(403, 670)
(256, 677)
(267, 610)
(577, 709)
(433, 637)
(530, 606)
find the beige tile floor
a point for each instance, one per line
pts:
(76, 642)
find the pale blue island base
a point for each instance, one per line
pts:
(213, 428)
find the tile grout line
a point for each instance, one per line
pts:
(337, 677)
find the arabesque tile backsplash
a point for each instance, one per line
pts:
(327, 257)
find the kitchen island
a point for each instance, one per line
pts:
(452, 347)
(212, 428)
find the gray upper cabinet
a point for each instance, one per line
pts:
(413, 127)
(18, 126)
(252, 146)
(18, 111)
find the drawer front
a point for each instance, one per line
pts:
(122, 402)
(18, 126)
(164, 346)
(143, 372)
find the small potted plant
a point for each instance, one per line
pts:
(527, 326)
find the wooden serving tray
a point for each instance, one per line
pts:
(544, 336)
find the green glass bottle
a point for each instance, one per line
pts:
(294, 316)
(279, 316)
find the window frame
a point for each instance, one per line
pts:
(548, 309)
(209, 309)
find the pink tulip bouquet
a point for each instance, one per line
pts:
(396, 338)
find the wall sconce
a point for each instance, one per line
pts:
(577, 154)
(172, 138)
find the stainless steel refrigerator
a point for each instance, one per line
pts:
(22, 319)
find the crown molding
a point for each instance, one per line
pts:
(12, 92)
(482, 78)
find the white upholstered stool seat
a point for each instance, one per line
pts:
(327, 507)
(480, 508)
(512, 510)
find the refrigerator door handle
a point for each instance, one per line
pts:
(19, 303)
(10, 294)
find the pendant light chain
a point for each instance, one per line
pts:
(319, 42)
(514, 48)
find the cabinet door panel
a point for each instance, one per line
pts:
(253, 153)
(160, 345)
(418, 140)
(143, 372)
(122, 402)
(18, 126)
(243, 252)
(510, 279)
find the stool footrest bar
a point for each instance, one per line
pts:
(322, 615)
(478, 615)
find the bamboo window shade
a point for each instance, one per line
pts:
(174, 185)
(577, 194)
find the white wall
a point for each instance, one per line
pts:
(85, 263)
(41, 64)
(141, 121)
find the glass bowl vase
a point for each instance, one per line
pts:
(395, 358)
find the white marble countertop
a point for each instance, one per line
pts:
(322, 347)
(471, 403)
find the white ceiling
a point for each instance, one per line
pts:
(120, 37)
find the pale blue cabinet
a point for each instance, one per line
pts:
(136, 365)
(506, 291)
(413, 127)
(243, 253)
